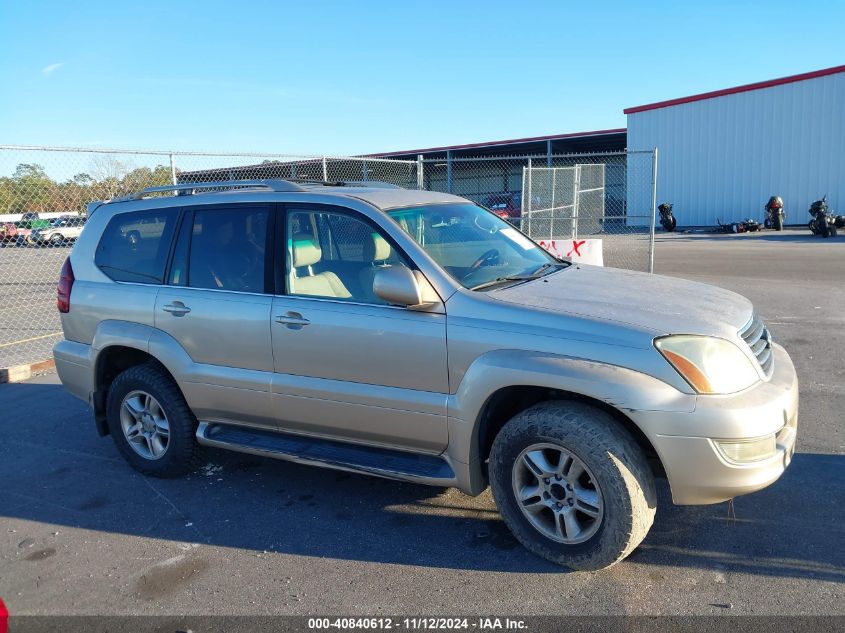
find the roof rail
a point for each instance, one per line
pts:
(375, 184)
(190, 188)
(278, 185)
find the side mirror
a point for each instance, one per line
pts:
(401, 286)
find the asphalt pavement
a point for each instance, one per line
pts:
(82, 533)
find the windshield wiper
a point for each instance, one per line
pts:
(535, 275)
(501, 280)
(548, 265)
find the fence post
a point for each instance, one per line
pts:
(175, 181)
(449, 170)
(325, 170)
(653, 211)
(365, 171)
(528, 201)
(548, 153)
(554, 184)
(576, 211)
(420, 173)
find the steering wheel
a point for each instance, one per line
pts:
(487, 258)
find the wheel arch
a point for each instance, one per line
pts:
(503, 383)
(120, 345)
(506, 402)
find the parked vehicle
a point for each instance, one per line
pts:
(667, 219)
(823, 222)
(32, 221)
(507, 206)
(566, 388)
(8, 232)
(774, 213)
(59, 232)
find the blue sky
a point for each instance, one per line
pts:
(344, 77)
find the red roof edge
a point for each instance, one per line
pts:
(729, 91)
(514, 141)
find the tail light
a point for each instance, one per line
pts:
(66, 280)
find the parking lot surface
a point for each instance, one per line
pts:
(82, 533)
(29, 323)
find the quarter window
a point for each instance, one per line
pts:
(134, 246)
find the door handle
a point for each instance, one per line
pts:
(177, 308)
(292, 320)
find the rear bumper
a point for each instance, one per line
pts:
(73, 365)
(698, 471)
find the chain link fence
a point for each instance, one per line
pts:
(606, 196)
(44, 193)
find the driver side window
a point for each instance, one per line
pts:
(335, 256)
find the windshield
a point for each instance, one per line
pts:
(474, 246)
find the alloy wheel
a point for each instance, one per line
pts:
(557, 493)
(144, 424)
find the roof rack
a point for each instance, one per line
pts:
(191, 188)
(278, 185)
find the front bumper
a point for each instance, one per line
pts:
(697, 470)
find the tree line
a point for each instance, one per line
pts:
(30, 188)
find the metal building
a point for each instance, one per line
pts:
(723, 153)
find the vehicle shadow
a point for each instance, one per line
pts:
(56, 470)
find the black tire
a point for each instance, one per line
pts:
(831, 230)
(812, 226)
(778, 223)
(182, 453)
(617, 465)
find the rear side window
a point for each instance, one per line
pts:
(134, 246)
(228, 248)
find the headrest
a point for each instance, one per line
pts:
(305, 251)
(376, 249)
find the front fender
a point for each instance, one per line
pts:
(624, 389)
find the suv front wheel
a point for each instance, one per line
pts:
(572, 485)
(150, 422)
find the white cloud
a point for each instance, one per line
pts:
(51, 68)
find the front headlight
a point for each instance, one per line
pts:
(710, 365)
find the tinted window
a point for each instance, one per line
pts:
(135, 245)
(227, 249)
(336, 256)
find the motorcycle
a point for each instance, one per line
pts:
(666, 218)
(823, 222)
(774, 213)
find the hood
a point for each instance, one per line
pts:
(663, 305)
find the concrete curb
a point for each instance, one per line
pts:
(19, 373)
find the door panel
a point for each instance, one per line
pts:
(227, 335)
(216, 309)
(375, 373)
(347, 365)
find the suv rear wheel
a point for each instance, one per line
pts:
(150, 422)
(572, 485)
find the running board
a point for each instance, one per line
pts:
(382, 462)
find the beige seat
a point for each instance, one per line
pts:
(305, 252)
(376, 252)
